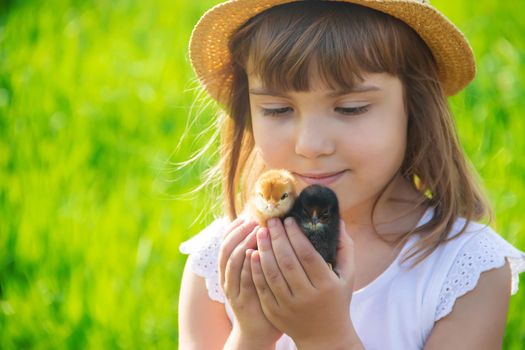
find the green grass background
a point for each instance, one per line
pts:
(94, 98)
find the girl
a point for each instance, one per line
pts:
(352, 95)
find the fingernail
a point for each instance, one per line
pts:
(262, 234)
(249, 226)
(272, 222)
(288, 221)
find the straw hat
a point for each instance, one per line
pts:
(209, 52)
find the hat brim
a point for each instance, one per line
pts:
(209, 54)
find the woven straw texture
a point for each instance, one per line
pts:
(210, 57)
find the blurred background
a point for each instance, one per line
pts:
(94, 99)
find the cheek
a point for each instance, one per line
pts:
(384, 151)
(391, 146)
(373, 160)
(274, 143)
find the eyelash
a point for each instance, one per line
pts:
(346, 111)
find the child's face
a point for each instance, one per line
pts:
(312, 135)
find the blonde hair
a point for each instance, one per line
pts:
(342, 40)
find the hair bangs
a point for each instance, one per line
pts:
(331, 42)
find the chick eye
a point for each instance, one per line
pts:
(285, 195)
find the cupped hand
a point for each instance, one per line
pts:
(298, 292)
(235, 277)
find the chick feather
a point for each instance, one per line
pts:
(274, 195)
(316, 211)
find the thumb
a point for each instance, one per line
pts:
(344, 260)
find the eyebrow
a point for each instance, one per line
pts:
(356, 89)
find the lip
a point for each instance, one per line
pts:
(321, 179)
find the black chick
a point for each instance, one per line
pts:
(316, 210)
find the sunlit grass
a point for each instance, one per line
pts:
(94, 97)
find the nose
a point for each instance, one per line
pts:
(314, 138)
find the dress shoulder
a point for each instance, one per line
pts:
(482, 250)
(203, 250)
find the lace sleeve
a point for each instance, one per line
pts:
(203, 250)
(485, 251)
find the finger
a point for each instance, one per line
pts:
(246, 273)
(286, 259)
(271, 270)
(229, 243)
(344, 260)
(259, 281)
(233, 225)
(312, 262)
(234, 265)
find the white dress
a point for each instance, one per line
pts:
(398, 309)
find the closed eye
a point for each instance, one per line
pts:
(342, 110)
(274, 112)
(353, 110)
